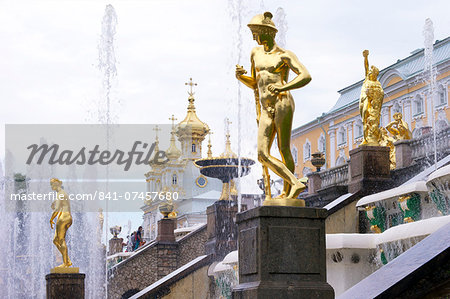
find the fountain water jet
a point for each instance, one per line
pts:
(428, 33)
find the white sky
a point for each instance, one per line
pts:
(48, 56)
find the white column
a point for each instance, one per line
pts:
(385, 114)
(408, 113)
(332, 133)
(350, 135)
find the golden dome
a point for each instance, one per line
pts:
(173, 152)
(192, 123)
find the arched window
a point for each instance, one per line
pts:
(194, 149)
(358, 129)
(174, 179)
(307, 150)
(418, 105)
(442, 96)
(396, 109)
(342, 136)
(294, 153)
(321, 143)
(340, 161)
(306, 170)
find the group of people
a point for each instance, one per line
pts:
(135, 240)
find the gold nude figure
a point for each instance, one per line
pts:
(61, 211)
(370, 102)
(399, 128)
(270, 65)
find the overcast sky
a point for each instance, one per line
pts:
(49, 56)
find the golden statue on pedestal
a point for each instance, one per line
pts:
(370, 102)
(270, 67)
(399, 128)
(61, 211)
(388, 141)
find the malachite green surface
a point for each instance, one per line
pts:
(413, 204)
(439, 200)
(379, 218)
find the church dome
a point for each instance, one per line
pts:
(192, 123)
(173, 152)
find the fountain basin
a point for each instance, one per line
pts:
(224, 169)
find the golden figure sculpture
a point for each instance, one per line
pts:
(61, 211)
(399, 128)
(388, 141)
(370, 102)
(270, 67)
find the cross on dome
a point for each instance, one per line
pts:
(191, 84)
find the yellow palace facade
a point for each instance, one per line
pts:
(407, 91)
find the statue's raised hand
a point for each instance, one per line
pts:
(240, 70)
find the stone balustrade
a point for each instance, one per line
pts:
(423, 146)
(336, 176)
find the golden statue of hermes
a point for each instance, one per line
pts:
(270, 67)
(61, 211)
(370, 102)
(399, 128)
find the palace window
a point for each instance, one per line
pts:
(442, 96)
(307, 150)
(321, 144)
(358, 130)
(342, 136)
(418, 105)
(306, 171)
(396, 109)
(194, 149)
(294, 152)
(174, 179)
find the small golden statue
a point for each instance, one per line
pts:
(370, 102)
(270, 67)
(61, 211)
(388, 141)
(399, 128)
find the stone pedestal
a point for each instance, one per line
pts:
(314, 182)
(403, 153)
(282, 253)
(369, 169)
(221, 229)
(65, 285)
(115, 245)
(166, 226)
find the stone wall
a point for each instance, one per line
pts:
(194, 286)
(192, 246)
(154, 262)
(136, 272)
(345, 220)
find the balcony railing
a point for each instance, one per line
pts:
(336, 176)
(423, 146)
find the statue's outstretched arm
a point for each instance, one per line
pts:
(303, 77)
(366, 62)
(249, 81)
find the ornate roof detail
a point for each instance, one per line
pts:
(191, 124)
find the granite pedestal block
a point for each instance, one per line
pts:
(166, 227)
(369, 169)
(115, 245)
(65, 285)
(221, 229)
(282, 253)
